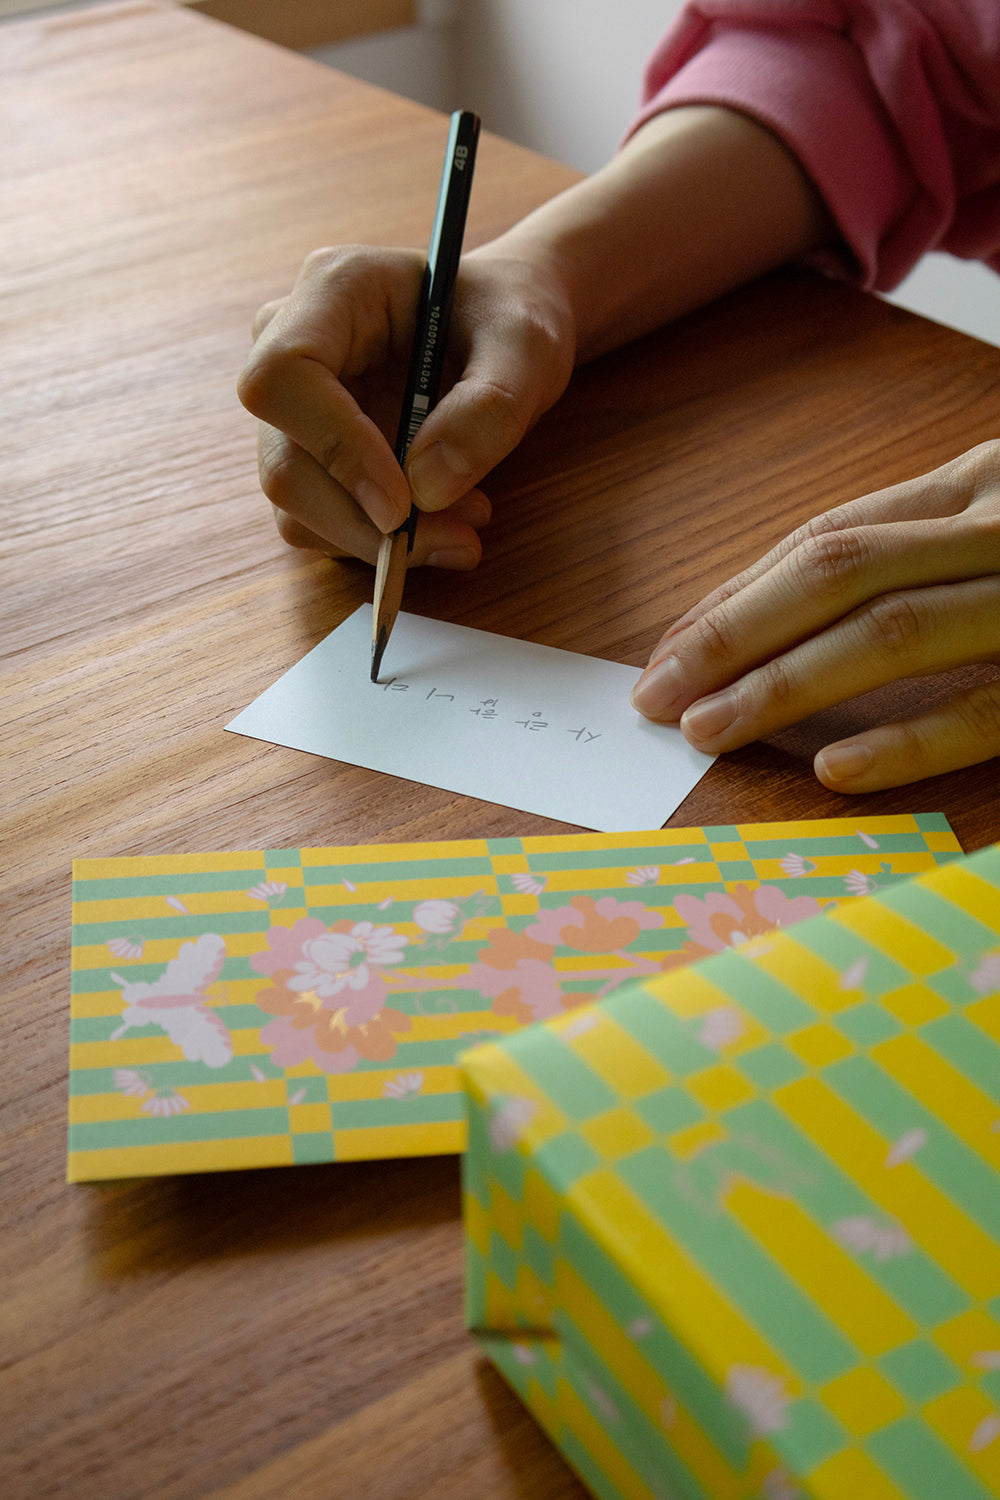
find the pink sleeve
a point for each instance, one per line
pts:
(892, 107)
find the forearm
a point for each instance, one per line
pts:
(700, 200)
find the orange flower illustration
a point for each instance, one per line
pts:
(516, 969)
(328, 996)
(725, 920)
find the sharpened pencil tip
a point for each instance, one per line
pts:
(378, 650)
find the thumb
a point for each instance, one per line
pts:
(516, 368)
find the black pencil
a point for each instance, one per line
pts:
(430, 339)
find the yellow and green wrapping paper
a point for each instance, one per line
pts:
(734, 1232)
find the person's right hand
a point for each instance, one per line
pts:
(326, 375)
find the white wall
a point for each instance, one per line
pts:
(562, 76)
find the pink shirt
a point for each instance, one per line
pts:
(892, 106)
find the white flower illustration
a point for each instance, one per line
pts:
(585, 1020)
(908, 1145)
(299, 1096)
(797, 865)
(257, 1074)
(128, 1081)
(779, 1485)
(603, 1402)
(986, 1432)
(177, 904)
(437, 916)
(404, 1086)
(265, 890)
(640, 1328)
(125, 948)
(340, 960)
(986, 1359)
(984, 980)
(167, 1103)
(884, 1239)
(668, 1411)
(720, 1027)
(528, 885)
(760, 1396)
(866, 839)
(853, 976)
(688, 859)
(643, 875)
(510, 1120)
(524, 1354)
(859, 884)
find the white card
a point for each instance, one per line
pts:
(508, 721)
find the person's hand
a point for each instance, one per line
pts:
(901, 583)
(326, 375)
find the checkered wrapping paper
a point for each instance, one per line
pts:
(283, 1006)
(736, 1232)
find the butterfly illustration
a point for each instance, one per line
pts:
(176, 1003)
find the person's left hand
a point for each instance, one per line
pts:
(901, 583)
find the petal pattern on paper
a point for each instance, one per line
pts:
(854, 975)
(908, 1145)
(720, 1027)
(859, 884)
(603, 1402)
(986, 1433)
(643, 875)
(125, 948)
(166, 1102)
(986, 1359)
(509, 1121)
(177, 904)
(437, 916)
(404, 1086)
(796, 865)
(779, 1485)
(130, 1081)
(268, 890)
(866, 839)
(527, 884)
(760, 1396)
(984, 980)
(579, 1024)
(884, 1239)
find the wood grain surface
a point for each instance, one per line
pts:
(298, 1331)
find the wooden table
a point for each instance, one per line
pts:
(298, 1332)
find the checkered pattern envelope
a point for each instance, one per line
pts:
(735, 1233)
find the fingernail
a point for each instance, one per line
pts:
(659, 686)
(438, 476)
(377, 506)
(459, 559)
(844, 762)
(710, 717)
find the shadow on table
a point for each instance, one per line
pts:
(150, 1225)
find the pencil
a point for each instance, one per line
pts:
(423, 380)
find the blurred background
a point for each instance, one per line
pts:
(559, 76)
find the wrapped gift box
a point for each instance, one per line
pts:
(734, 1232)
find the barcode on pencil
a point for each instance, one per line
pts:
(418, 412)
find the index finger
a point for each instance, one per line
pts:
(943, 491)
(345, 315)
